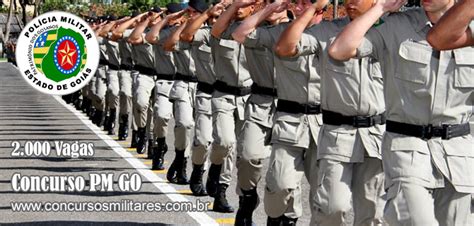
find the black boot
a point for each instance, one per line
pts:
(98, 118)
(220, 201)
(177, 171)
(123, 127)
(141, 140)
(111, 122)
(106, 121)
(281, 221)
(248, 202)
(159, 152)
(195, 183)
(213, 179)
(85, 105)
(133, 143)
(150, 149)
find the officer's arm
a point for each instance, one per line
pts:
(153, 34)
(173, 39)
(286, 45)
(346, 43)
(117, 33)
(193, 25)
(105, 30)
(250, 23)
(136, 36)
(452, 30)
(224, 20)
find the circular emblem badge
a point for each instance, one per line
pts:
(57, 53)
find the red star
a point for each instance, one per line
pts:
(66, 54)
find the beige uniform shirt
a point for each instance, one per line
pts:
(125, 49)
(423, 86)
(351, 88)
(230, 61)
(143, 54)
(201, 52)
(164, 60)
(113, 53)
(296, 80)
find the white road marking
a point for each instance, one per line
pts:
(201, 217)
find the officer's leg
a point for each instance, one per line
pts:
(101, 89)
(202, 142)
(184, 125)
(92, 96)
(133, 143)
(150, 126)
(113, 89)
(452, 207)
(145, 85)
(282, 199)
(368, 191)
(125, 79)
(163, 111)
(224, 143)
(253, 150)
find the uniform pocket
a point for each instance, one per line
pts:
(227, 48)
(294, 64)
(203, 104)
(204, 53)
(464, 73)
(461, 164)
(413, 62)
(288, 128)
(375, 69)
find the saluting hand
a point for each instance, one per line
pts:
(243, 3)
(391, 5)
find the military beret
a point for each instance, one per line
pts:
(155, 9)
(174, 7)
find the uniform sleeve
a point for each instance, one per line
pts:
(163, 35)
(372, 44)
(202, 35)
(227, 34)
(260, 37)
(127, 33)
(308, 43)
(182, 46)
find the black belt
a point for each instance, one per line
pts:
(237, 91)
(256, 89)
(114, 67)
(145, 70)
(205, 87)
(336, 119)
(185, 78)
(103, 62)
(296, 108)
(445, 131)
(165, 77)
(126, 67)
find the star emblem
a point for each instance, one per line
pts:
(66, 54)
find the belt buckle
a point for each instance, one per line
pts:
(361, 121)
(446, 132)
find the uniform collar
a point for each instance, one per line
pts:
(422, 20)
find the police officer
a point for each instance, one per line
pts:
(255, 137)
(165, 68)
(297, 120)
(232, 89)
(121, 34)
(113, 88)
(198, 32)
(427, 147)
(455, 29)
(100, 88)
(145, 81)
(353, 116)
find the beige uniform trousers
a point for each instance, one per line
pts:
(254, 141)
(100, 88)
(294, 150)
(419, 192)
(125, 94)
(227, 121)
(182, 95)
(203, 128)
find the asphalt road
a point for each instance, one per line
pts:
(28, 115)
